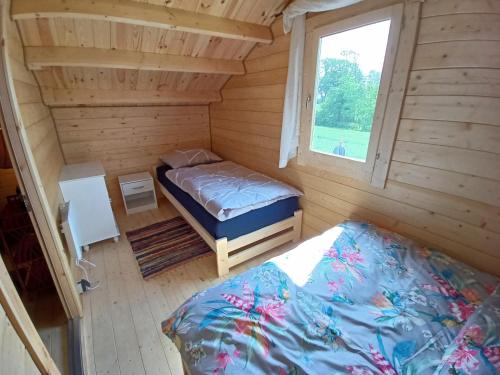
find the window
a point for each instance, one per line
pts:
(347, 83)
(348, 69)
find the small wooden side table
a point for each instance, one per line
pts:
(138, 192)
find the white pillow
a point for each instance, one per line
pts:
(189, 158)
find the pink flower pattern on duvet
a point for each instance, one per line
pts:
(356, 300)
(476, 348)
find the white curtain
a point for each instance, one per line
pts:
(293, 92)
(294, 19)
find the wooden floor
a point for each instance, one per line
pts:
(122, 316)
(51, 322)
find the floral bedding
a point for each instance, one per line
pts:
(355, 300)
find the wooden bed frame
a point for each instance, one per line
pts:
(229, 253)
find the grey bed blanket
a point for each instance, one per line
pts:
(227, 189)
(355, 300)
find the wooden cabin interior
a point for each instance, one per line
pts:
(108, 87)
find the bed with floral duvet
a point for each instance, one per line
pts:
(354, 300)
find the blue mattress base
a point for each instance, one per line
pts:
(237, 226)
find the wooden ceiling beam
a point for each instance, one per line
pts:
(136, 13)
(54, 97)
(41, 57)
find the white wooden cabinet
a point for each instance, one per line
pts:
(84, 186)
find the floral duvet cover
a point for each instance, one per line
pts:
(355, 300)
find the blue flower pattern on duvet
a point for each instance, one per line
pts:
(355, 300)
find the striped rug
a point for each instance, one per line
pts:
(164, 245)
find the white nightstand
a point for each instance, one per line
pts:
(138, 192)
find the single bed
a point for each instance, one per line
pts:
(239, 238)
(237, 226)
(356, 299)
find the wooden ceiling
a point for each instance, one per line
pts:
(123, 52)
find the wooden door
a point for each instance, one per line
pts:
(30, 183)
(15, 312)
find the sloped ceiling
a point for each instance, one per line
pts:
(86, 33)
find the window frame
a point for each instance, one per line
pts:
(340, 165)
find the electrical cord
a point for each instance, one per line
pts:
(85, 283)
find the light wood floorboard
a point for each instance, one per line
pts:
(122, 317)
(50, 320)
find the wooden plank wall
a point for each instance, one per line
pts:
(14, 357)
(129, 139)
(36, 121)
(444, 179)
